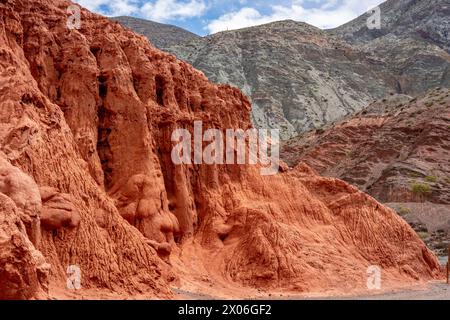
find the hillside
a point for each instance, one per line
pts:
(297, 77)
(397, 150)
(385, 148)
(413, 41)
(423, 20)
(160, 35)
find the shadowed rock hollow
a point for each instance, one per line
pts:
(86, 179)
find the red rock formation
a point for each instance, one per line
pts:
(398, 151)
(23, 269)
(87, 115)
(58, 210)
(387, 148)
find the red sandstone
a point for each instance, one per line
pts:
(86, 179)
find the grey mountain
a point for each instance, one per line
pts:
(160, 35)
(424, 20)
(300, 78)
(297, 76)
(414, 41)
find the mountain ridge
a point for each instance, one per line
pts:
(160, 35)
(301, 97)
(280, 66)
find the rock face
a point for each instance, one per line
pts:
(388, 150)
(298, 77)
(414, 42)
(58, 210)
(160, 35)
(426, 21)
(50, 80)
(23, 269)
(86, 120)
(397, 150)
(22, 189)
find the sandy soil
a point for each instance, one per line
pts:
(195, 286)
(433, 291)
(436, 290)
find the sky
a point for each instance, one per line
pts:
(210, 16)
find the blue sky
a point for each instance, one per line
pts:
(210, 16)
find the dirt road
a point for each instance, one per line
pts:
(436, 290)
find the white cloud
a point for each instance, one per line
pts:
(114, 7)
(163, 10)
(158, 10)
(328, 14)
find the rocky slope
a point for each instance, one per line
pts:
(414, 42)
(86, 180)
(397, 150)
(160, 35)
(424, 20)
(385, 148)
(298, 77)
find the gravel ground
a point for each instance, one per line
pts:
(434, 291)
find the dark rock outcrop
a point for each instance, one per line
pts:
(300, 78)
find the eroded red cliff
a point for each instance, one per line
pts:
(86, 120)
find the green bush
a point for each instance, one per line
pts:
(423, 235)
(403, 211)
(432, 179)
(350, 153)
(413, 174)
(420, 188)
